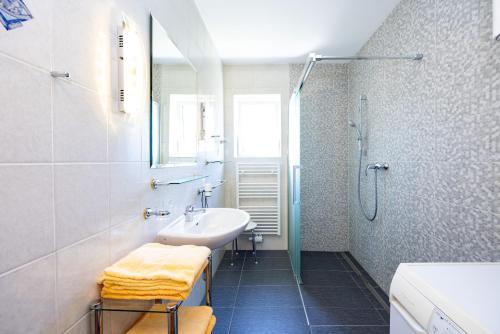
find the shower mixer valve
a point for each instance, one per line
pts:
(376, 166)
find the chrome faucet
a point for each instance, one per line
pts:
(376, 166)
(189, 213)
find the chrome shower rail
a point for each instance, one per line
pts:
(312, 58)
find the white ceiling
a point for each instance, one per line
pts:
(285, 31)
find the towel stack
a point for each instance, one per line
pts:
(155, 271)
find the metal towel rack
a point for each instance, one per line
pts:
(258, 193)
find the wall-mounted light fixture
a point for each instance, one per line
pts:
(496, 19)
(129, 68)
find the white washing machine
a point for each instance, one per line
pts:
(446, 298)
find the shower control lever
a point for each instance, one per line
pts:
(376, 166)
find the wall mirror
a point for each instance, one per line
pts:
(175, 112)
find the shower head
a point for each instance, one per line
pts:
(353, 125)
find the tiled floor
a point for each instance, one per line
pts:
(264, 298)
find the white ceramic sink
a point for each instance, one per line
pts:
(213, 228)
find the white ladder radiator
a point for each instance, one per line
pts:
(258, 193)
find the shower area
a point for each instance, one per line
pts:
(337, 172)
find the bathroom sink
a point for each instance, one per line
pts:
(212, 228)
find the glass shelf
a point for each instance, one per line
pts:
(156, 183)
(140, 306)
(188, 179)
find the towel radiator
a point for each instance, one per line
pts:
(258, 193)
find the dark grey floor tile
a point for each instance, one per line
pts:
(321, 296)
(268, 253)
(323, 263)
(330, 278)
(223, 320)
(385, 315)
(334, 316)
(375, 303)
(358, 280)
(227, 255)
(350, 329)
(269, 277)
(224, 296)
(268, 263)
(362, 271)
(369, 280)
(283, 296)
(318, 254)
(227, 278)
(382, 294)
(225, 264)
(269, 320)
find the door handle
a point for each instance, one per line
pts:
(408, 318)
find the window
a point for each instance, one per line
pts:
(182, 126)
(257, 124)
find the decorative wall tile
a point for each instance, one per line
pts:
(439, 122)
(474, 232)
(323, 157)
(33, 38)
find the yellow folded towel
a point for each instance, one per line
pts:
(159, 291)
(192, 320)
(176, 264)
(211, 325)
(155, 271)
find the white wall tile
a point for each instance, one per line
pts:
(28, 298)
(126, 237)
(78, 269)
(80, 123)
(81, 202)
(25, 116)
(124, 137)
(126, 198)
(31, 42)
(255, 79)
(97, 158)
(84, 42)
(83, 326)
(27, 215)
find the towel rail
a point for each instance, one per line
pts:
(258, 193)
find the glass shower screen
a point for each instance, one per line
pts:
(294, 184)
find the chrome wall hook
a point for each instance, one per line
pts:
(148, 213)
(57, 74)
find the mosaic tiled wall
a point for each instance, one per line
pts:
(323, 157)
(437, 124)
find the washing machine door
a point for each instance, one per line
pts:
(402, 322)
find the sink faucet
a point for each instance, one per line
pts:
(190, 211)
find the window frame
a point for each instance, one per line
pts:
(272, 98)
